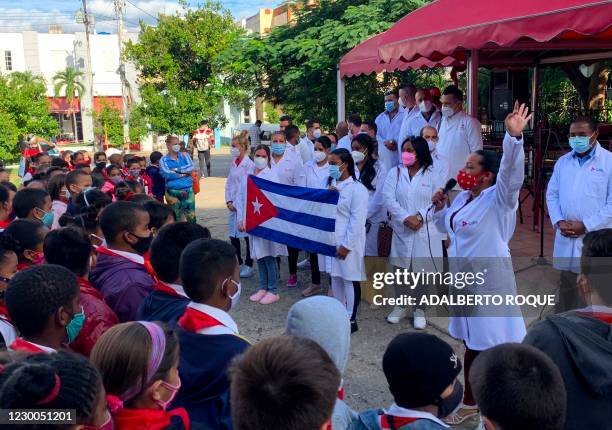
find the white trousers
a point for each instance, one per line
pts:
(344, 292)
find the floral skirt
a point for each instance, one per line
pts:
(182, 203)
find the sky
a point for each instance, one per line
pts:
(19, 15)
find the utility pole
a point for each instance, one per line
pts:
(88, 71)
(119, 7)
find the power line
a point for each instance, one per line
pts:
(142, 10)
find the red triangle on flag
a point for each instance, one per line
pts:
(258, 208)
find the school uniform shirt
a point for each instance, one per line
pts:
(479, 235)
(166, 303)
(22, 345)
(389, 129)
(579, 193)
(59, 208)
(209, 341)
(403, 197)
(460, 135)
(306, 149)
(351, 212)
(377, 212)
(239, 170)
(415, 123)
(260, 247)
(397, 418)
(289, 169)
(7, 329)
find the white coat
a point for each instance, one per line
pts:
(440, 163)
(479, 240)
(289, 169)
(579, 193)
(345, 142)
(316, 176)
(306, 149)
(415, 123)
(235, 177)
(404, 197)
(377, 212)
(460, 135)
(389, 129)
(351, 213)
(260, 247)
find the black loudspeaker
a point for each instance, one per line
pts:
(501, 103)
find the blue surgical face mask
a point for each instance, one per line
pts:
(75, 325)
(334, 171)
(580, 144)
(278, 148)
(389, 106)
(47, 218)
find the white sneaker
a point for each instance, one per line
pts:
(419, 321)
(304, 264)
(246, 271)
(396, 315)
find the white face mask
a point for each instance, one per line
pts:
(358, 156)
(425, 106)
(176, 148)
(234, 299)
(234, 152)
(431, 144)
(261, 162)
(316, 133)
(401, 103)
(319, 156)
(447, 111)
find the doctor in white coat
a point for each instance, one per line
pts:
(417, 241)
(579, 200)
(263, 250)
(240, 168)
(428, 115)
(348, 268)
(316, 173)
(480, 223)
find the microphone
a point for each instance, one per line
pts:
(449, 185)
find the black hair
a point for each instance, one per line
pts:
(595, 262)
(112, 167)
(73, 177)
(4, 194)
(9, 185)
(453, 90)
(203, 122)
(54, 169)
(82, 166)
(68, 247)
(27, 199)
(372, 126)
(36, 293)
(99, 153)
(74, 155)
(55, 186)
(421, 149)
(26, 233)
(586, 120)
(355, 119)
(125, 189)
(519, 387)
(490, 162)
(219, 259)
(155, 156)
(312, 122)
(333, 134)
(169, 244)
(367, 175)
(325, 141)
(392, 92)
(26, 383)
(258, 122)
(408, 87)
(58, 162)
(35, 157)
(291, 131)
(158, 213)
(119, 217)
(347, 159)
(141, 199)
(132, 161)
(285, 118)
(7, 244)
(87, 208)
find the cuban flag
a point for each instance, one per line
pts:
(303, 218)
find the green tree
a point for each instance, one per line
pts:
(183, 78)
(69, 81)
(23, 109)
(108, 125)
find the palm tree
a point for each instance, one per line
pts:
(27, 78)
(70, 80)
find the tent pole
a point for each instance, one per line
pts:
(535, 83)
(341, 94)
(472, 82)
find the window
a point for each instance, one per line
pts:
(8, 61)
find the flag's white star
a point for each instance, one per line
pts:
(257, 206)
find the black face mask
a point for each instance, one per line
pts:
(448, 405)
(143, 244)
(101, 165)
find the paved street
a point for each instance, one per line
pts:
(364, 381)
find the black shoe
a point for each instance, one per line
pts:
(354, 327)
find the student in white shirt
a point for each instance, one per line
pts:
(8, 267)
(306, 145)
(240, 168)
(316, 175)
(389, 125)
(348, 268)
(428, 114)
(287, 165)
(460, 134)
(579, 200)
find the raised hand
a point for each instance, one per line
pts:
(518, 119)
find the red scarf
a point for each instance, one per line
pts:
(147, 265)
(24, 346)
(5, 224)
(194, 320)
(149, 419)
(398, 422)
(22, 266)
(164, 288)
(3, 311)
(601, 316)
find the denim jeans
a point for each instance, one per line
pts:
(268, 274)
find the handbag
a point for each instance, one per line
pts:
(196, 182)
(385, 232)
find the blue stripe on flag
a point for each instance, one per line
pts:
(310, 194)
(314, 221)
(294, 241)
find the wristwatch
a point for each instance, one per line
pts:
(419, 217)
